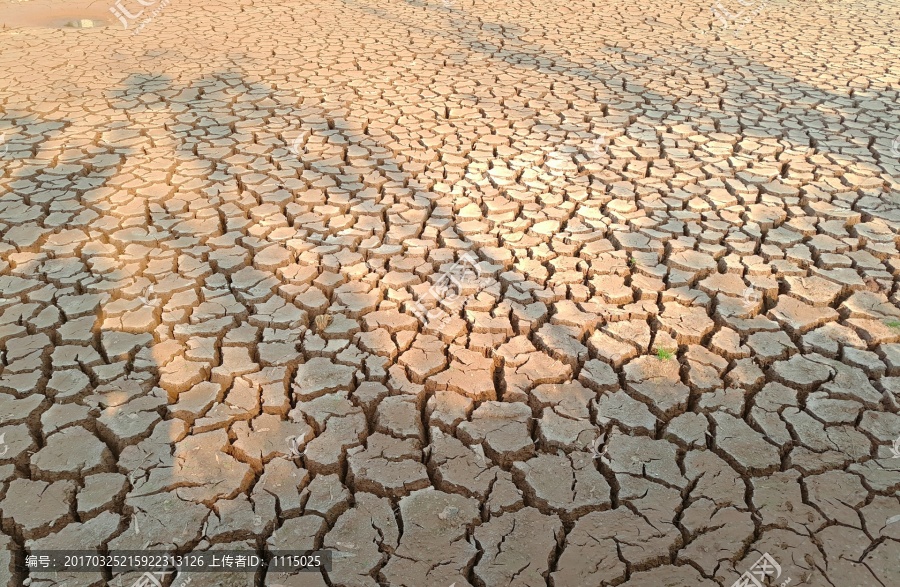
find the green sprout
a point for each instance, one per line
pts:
(893, 323)
(664, 355)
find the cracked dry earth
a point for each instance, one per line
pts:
(684, 352)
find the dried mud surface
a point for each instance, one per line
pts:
(683, 352)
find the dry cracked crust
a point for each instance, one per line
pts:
(685, 351)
